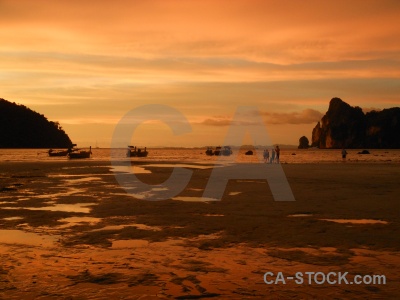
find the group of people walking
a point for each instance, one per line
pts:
(272, 156)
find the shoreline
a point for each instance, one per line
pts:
(288, 156)
(74, 232)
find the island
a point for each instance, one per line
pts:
(345, 126)
(21, 127)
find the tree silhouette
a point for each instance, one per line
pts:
(21, 127)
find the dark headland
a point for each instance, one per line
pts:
(349, 127)
(21, 127)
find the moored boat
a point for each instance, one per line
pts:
(136, 152)
(209, 151)
(226, 151)
(77, 153)
(52, 152)
(217, 150)
(59, 152)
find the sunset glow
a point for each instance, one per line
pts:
(86, 64)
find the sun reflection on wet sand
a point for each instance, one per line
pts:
(299, 215)
(194, 199)
(120, 244)
(130, 169)
(116, 246)
(69, 192)
(356, 221)
(135, 225)
(76, 207)
(234, 193)
(72, 221)
(26, 238)
(180, 165)
(13, 218)
(81, 180)
(214, 215)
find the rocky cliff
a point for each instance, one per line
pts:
(347, 126)
(304, 143)
(21, 127)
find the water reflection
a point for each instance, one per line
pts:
(72, 221)
(120, 244)
(12, 218)
(234, 193)
(356, 221)
(70, 191)
(135, 225)
(77, 207)
(26, 238)
(299, 215)
(130, 169)
(194, 199)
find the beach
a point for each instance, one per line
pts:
(68, 230)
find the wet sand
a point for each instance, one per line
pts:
(69, 231)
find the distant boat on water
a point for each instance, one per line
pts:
(77, 153)
(225, 151)
(58, 152)
(136, 152)
(209, 151)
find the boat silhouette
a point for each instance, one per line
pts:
(136, 152)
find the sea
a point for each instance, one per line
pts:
(197, 155)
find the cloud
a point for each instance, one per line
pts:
(216, 122)
(96, 60)
(306, 116)
(267, 31)
(219, 122)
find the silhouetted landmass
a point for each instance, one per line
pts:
(21, 127)
(304, 143)
(347, 126)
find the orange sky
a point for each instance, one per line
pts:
(87, 63)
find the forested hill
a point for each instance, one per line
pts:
(21, 127)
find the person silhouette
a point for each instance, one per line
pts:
(272, 159)
(278, 152)
(344, 154)
(266, 155)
